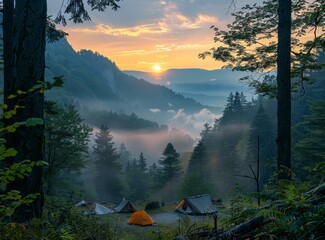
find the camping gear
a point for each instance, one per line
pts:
(100, 209)
(81, 204)
(141, 218)
(124, 206)
(152, 206)
(196, 205)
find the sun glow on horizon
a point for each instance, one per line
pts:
(156, 68)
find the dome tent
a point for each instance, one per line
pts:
(141, 218)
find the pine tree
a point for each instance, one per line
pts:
(237, 104)
(142, 163)
(108, 181)
(235, 110)
(310, 147)
(197, 179)
(104, 149)
(248, 45)
(125, 156)
(243, 101)
(198, 161)
(206, 134)
(170, 166)
(25, 25)
(262, 128)
(137, 178)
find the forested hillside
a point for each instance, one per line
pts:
(98, 83)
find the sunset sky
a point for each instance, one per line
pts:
(147, 34)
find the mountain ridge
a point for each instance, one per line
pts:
(92, 77)
(209, 87)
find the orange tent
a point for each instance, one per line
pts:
(141, 218)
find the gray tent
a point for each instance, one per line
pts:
(196, 205)
(81, 204)
(100, 209)
(124, 206)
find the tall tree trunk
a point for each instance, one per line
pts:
(28, 66)
(284, 90)
(8, 19)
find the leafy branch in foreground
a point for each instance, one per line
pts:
(12, 172)
(249, 44)
(289, 211)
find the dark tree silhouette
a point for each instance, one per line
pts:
(284, 90)
(170, 166)
(27, 65)
(25, 62)
(108, 168)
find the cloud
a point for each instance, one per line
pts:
(171, 23)
(200, 21)
(164, 31)
(192, 123)
(154, 110)
(134, 31)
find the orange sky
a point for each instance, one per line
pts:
(144, 55)
(144, 33)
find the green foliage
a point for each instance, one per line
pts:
(137, 178)
(237, 109)
(105, 151)
(194, 184)
(169, 166)
(66, 143)
(310, 145)
(108, 180)
(125, 156)
(120, 121)
(249, 42)
(11, 172)
(261, 127)
(295, 213)
(197, 180)
(60, 220)
(198, 160)
(78, 12)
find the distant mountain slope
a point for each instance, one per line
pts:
(210, 87)
(82, 79)
(97, 82)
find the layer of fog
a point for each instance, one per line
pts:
(150, 144)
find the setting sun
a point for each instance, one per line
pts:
(156, 68)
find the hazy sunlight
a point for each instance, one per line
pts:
(156, 68)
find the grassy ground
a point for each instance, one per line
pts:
(162, 229)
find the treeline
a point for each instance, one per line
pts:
(118, 174)
(224, 157)
(73, 161)
(120, 121)
(227, 154)
(228, 148)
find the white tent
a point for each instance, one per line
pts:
(81, 204)
(100, 209)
